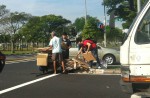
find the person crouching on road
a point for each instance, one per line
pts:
(90, 45)
(55, 45)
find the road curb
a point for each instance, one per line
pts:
(100, 71)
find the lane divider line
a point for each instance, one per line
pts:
(11, 62)
(27, 83)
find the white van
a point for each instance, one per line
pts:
(135, 54)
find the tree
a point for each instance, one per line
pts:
(38, 28)
(12, 23)
(91, 31)
(127, 12)
(123, 9)
(3, 13)
(113, 34)
(79, 24)
(111, 6)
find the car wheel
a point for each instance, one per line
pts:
(110, 59)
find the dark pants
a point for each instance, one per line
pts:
(95, 54)
(66, 54)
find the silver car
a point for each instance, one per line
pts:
(111, 56)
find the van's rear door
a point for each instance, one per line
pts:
(139, 50)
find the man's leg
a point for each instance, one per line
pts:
(62, 62)
(54, 65)
(95, 54)
(67, 53)
(63, 66)
(54, 55)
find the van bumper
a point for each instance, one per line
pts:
(130, 87)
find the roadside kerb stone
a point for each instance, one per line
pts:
(100, 71)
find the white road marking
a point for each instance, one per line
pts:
(27, 83)
(19, 61)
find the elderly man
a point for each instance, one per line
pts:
(55, 45)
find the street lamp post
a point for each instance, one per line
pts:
(85, 12)
(12, 43)
(138, 5)
(105, 26)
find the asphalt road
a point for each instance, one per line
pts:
(24, 80)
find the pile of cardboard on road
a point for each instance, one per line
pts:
(74, 63)
(78, 63)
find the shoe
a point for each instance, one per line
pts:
(64, 72)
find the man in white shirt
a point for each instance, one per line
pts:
(55, 45)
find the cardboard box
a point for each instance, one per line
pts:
(89, 56)
(42, 59)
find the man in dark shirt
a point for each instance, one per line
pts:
(67, 43)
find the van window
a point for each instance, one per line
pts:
(143, 32)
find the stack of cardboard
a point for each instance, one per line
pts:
(84, 62)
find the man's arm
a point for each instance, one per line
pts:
(88, 48)
(80, 51)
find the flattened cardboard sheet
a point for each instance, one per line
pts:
(88, 56)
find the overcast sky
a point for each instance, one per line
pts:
(69, 9)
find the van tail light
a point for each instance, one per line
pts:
(125, 73)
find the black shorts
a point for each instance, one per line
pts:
(65, 54)
(57, 56)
